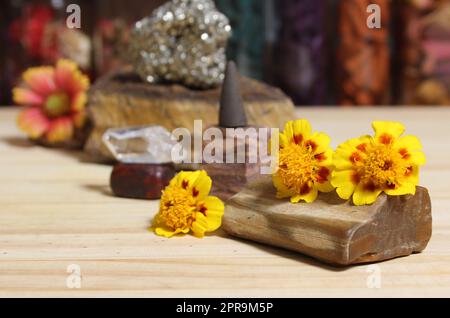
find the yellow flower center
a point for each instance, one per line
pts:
(380, 166)
(297, 168)
(57, 105)
(177, 209)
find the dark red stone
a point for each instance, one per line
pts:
(141, 181)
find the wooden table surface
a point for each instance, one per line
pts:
(57, 215)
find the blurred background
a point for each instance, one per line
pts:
(319, 52)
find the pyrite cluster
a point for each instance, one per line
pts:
(183, 41)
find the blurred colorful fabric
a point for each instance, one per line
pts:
(317, 52)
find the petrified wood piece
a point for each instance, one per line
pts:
(330, 229)
(122, 100)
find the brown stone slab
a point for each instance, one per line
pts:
(330, 229)
(122, 100)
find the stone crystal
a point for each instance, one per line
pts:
(141, 181)
(152, 144)
(183, 41)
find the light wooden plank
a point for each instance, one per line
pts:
(56, 210)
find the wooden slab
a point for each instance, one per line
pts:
(57, 210)
(122, 99)
(331, 229)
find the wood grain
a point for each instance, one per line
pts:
(56, 210)
(330, 229)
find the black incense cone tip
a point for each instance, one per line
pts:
(232, 112)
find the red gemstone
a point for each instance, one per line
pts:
(141, 181)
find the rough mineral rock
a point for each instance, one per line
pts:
(123, 100)
(147, 144)
(230, 178)
(330, 229)
(141, 181)
(183, 41)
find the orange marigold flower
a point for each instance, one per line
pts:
(186, 206)
(56, 99)
(304, 163)
(368, 166)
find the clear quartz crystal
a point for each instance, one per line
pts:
(150, 144)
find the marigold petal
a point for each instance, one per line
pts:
(214, 212)
(418, 158)
(343, 182)
(214, 222)
(301, 127)
(23, 96)
(363, 196)
(197, 183)
(405, 188)
(289, 131)
(80, 82)
(413, 175)
(60, 130)
(69, 78)
(354, 143)
(214, 205)
(326, 158)
(40, 80)
(185, 179)
(33, 122)
(324, 187)
(177, 180)
(282, 190)
(341, 161)
(322, 142)
(200, 225)
(409, 142)
(344, 160)
(343, 153)
(412, 146)
(79, 102)
(309, 197)
(283, 141)
(164, 232)
(345, 192)
(393, 129)
(202, 185)
(64, 74)
(169, 233)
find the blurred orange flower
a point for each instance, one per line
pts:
(56, 99)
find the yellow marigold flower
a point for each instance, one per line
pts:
(305, 163)
(185, 206)
(368, 166)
